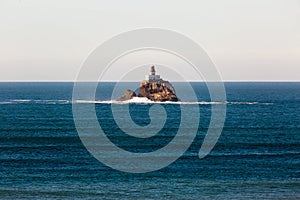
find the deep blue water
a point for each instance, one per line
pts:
(257, 155)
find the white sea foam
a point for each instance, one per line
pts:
(21, 100)
(37, 101)
(5, 102)
(51, 101)
(144, 100)
(134, 100)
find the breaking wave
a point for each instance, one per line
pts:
(135, 100)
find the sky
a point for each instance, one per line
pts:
(250, 40)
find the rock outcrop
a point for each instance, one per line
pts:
(153, 88)
(157, 90)
(128, 94)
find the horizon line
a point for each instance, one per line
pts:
(201, 81)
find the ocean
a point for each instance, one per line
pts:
(257, 155)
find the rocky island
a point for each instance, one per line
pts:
(153, 88)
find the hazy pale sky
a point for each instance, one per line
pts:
(247, 40)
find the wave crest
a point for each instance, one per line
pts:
(135, 100)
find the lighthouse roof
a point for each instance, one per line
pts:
(152, 69)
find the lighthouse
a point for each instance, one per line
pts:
(153, 88)
(152, 76)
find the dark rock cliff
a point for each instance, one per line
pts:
(128, 94)
(154, 88)
(157, 91)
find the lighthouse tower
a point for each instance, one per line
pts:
(152, 76)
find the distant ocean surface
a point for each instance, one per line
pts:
(256, 157)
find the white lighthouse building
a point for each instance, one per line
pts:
(152, 76)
